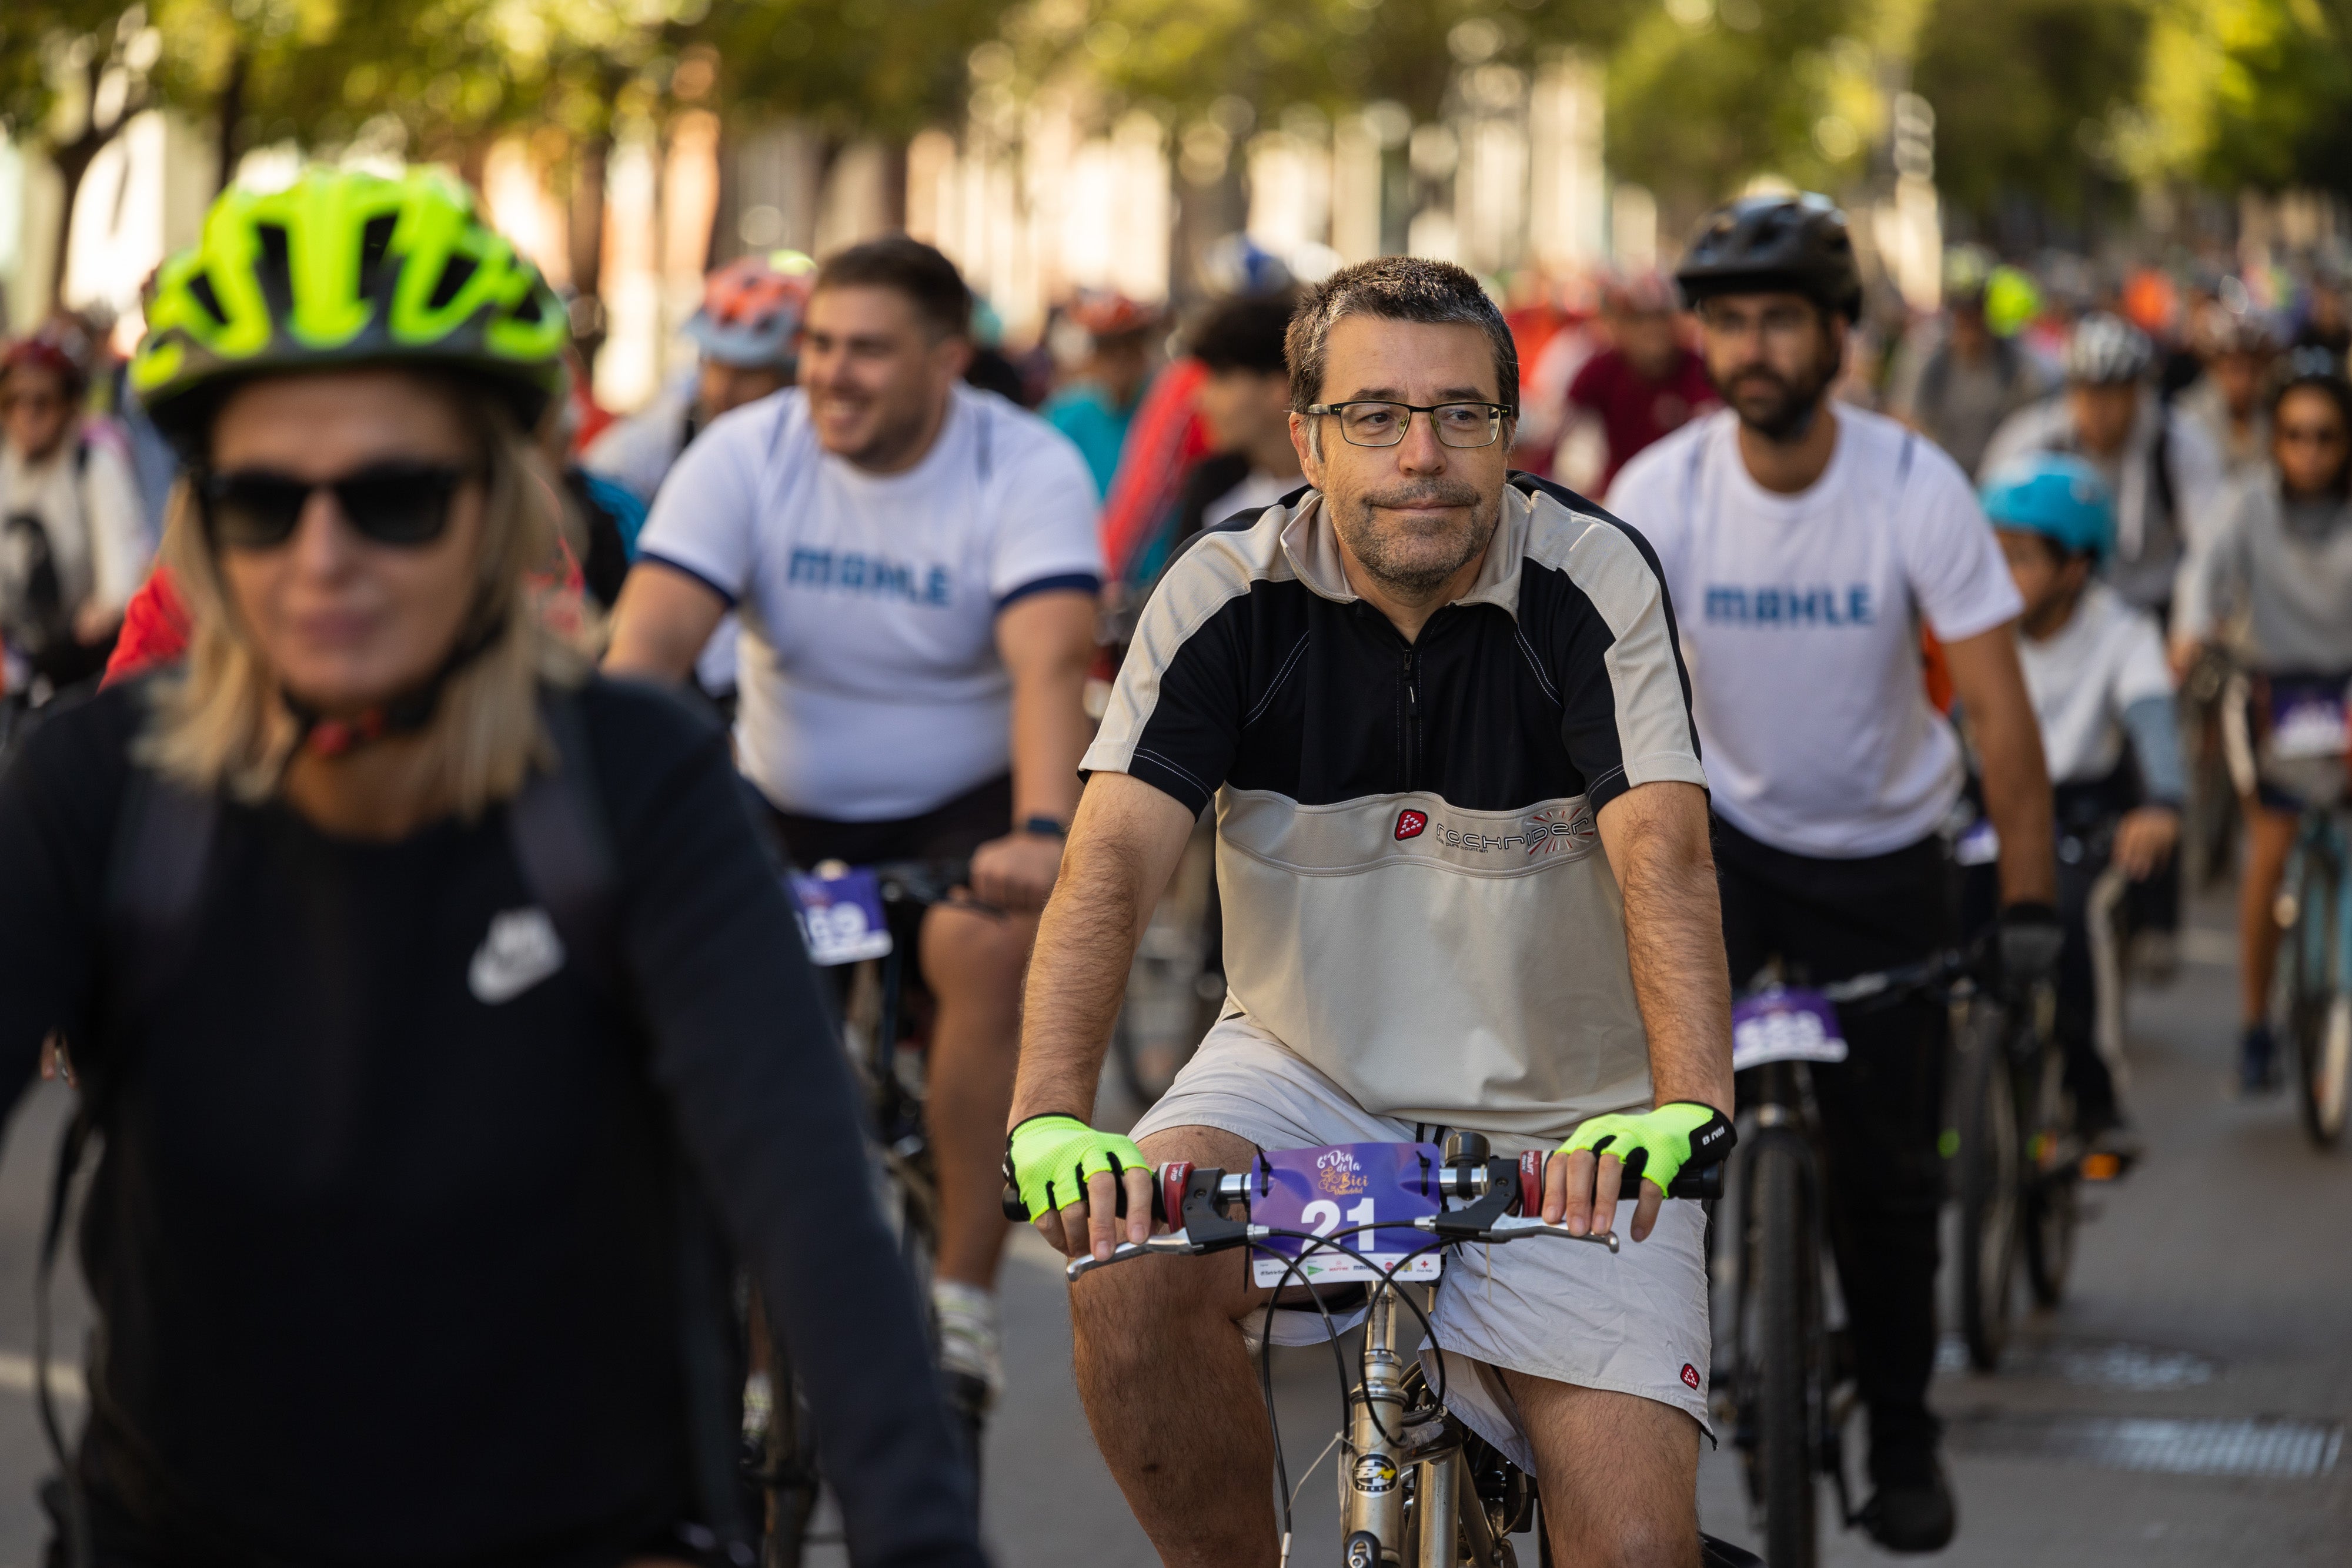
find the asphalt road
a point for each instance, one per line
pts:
(2186, 1405)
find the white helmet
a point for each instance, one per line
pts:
(2107, 351)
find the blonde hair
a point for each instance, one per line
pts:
(221, 723)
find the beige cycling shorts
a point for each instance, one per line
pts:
(1634, 1322)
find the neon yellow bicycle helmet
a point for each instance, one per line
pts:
(342, 269)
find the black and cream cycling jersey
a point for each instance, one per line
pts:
(1415, 898)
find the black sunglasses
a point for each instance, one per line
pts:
(404, 504)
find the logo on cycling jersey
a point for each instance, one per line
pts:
(1547, 832)
(520, 951)
(1690, 1376)
(1338, 1174)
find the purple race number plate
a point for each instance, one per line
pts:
(1340, 1187)
(1784, 1025)
(840, 916)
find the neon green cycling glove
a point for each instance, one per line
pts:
(1657, 1144)
(1049, 1158)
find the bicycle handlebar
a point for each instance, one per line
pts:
(1697, 1182)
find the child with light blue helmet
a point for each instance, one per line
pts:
(2095, 669)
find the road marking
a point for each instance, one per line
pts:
(2278, 1447)
(2092, 1364)
(16, 1377)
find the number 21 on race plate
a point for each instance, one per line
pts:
(1785, 1025)
(840, 916)
(1339, 1187)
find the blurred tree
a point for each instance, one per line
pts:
(1705, 95)
(2251, 92)
(73, 73)
(2031, 97)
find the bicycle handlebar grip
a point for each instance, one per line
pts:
(1166, 1195)
(1691, 1181)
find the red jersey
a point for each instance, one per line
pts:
(1636, 411)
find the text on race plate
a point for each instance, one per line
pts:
(1785, 1024)
(1340, 1188)
(840, 916)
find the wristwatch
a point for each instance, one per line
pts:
(1047, 827)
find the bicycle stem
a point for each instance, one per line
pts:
(1372, 1496)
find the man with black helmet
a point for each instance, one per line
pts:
(1802, 543)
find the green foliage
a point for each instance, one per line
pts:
(1335, 54)
(855, 67)
(1744, 87)
(2028, 93)
(2281, 94)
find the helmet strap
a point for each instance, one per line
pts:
(405, 713)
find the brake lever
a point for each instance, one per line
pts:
(1490, 1217)
(1204, 1230)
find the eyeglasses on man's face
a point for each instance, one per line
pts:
(1371, 422)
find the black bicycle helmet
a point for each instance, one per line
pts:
(1760, 243)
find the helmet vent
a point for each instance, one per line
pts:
(200, 289)
(527, 310)
(375, 238)
(274, 272)
(453, 278)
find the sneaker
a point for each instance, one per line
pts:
(971, 1350)
(1912, 1510)
(2258, 1066)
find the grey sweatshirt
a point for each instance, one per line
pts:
(2285, 570)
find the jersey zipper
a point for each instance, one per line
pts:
(1411, 724)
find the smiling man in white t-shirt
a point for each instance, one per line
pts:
(1805, 544)
(916, 566)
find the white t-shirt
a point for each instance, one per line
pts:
(1800, 620)
(2107, 657)
(870, 688)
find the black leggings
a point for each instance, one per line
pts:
(1880, 1108)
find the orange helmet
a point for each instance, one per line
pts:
(751, 310)
(1106, 313)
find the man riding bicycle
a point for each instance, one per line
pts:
(1462, 844)
(917, 566)
(1806, 542)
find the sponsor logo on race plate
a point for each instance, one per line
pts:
(1339, 1174)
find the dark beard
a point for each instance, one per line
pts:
(1380, 552)
(1788, 414)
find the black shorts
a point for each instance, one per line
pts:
(951, 830)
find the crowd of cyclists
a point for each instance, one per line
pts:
(406, 906)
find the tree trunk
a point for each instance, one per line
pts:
(592, 159)
(228, 121)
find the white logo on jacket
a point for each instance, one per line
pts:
(522, 950)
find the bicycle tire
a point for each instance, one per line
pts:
(2052, 1206)
(2320, 1010)
(1990, 1167)
(786, 1479)
(1782, 1354)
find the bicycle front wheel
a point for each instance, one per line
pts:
(1987, 1169)
(2053, 1196)
(2320, 1015)
(1782, 1354)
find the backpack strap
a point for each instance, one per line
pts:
(557, 827)
(155, 884)
(563, 845)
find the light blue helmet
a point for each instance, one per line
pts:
(2057, 495)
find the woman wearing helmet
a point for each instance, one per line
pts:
(2276, 587)
(2094, 668)
(433, 998)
